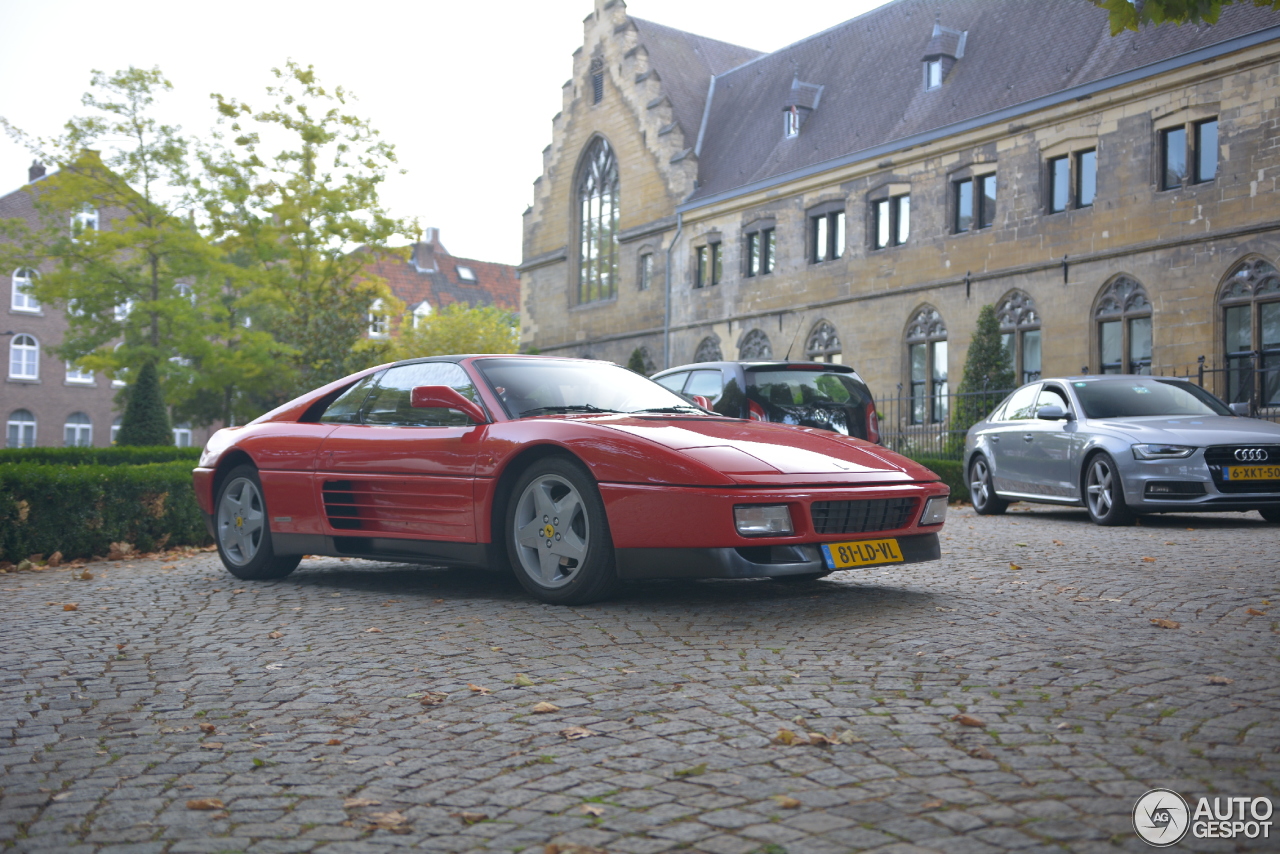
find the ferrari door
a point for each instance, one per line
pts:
(400, 471)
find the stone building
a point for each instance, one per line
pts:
(859, 195)
(45, 400)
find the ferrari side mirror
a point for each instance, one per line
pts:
(443, 397)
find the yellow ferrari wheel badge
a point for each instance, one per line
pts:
(548, 531)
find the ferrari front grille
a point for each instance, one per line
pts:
(863, 516)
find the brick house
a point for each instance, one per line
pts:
(45, 400)
(860, 194)
(426, 278)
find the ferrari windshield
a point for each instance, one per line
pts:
(1145, 397)
(529, 387)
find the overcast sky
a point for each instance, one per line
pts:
(465, 90)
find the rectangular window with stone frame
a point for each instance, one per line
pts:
(973, 203)
(890, 221)
(760, 249)
(826, 232)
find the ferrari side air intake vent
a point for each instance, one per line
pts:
(859, 517)
(340, 505)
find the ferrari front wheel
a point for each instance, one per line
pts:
(243, 534)
(558, 535)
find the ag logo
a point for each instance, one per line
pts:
(1161, 817)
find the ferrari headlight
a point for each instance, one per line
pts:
(762, 520)
(1161, 452)
(935, 511)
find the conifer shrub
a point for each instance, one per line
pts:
(988, 377)
(145, 422)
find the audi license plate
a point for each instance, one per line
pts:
(861, 553)
(1252, 472)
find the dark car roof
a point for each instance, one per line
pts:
(762, 365)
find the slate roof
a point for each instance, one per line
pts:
(685, 64)
(428, 272)
(871, 72)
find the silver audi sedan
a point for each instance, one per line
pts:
(1122, 445)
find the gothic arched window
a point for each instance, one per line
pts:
(1250, 301)
(1020, 334)
(823, 344)
(927, 358)
(708, 351)
(755, 345)
(598, 224)
(1123, 315)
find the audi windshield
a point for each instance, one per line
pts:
(1145, 398)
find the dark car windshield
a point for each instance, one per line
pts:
(549, 386)
(1145, 397)
(803, 388)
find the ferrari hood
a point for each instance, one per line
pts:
(759, 452)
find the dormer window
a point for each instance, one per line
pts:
(801, 100)
(421, 312)
(932, 73)
(792, 126)
(466, 274)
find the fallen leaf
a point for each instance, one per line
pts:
(55, 559)
(205, 804)
(353, 803)
(208, 727)
(1254, 612)
(479, 689)
(695, 771)
(523, 681)
(1059, 543)
(570, 848)
(968, 720)
(333, 742)
(238, 590)
(931, 805)
(393, 821)
(1014, 567)
(981, 752)
(374, 630)
(574, 733)
(469, 817)
(122, 645)
(1219, 680)
(545, 708)
(70, 606)
(494, 648)
(439, 601)
(84, 575)
(848, 737)
(1064, 725)
(433, 698)
(591, 809)
(817, 739)
(1148, 560)
(1166, 624)
(275, 635)
(1020, 544)
(212, 745)
(786, 801)
(785, 736)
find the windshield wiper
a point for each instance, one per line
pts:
(672, 409)
(577, 407)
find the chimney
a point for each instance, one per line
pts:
(431, 235)
(36, 172)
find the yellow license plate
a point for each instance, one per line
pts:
(1253, 472)
(861, 553)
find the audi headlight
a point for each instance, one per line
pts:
(935, 511)
(1162, 452)
(762, 520)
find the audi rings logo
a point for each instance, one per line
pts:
(1251, 455)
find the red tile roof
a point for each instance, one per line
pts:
(426, 271)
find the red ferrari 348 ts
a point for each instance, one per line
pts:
(575, 473)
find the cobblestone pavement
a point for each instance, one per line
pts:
(299, 704)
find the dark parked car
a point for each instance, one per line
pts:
(810, 394)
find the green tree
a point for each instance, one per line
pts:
(636, 362)
(988, 376)
(145, 421)
(459, 328)
(1131, 14)
(293, 194)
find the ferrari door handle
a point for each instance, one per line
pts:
(994, 438)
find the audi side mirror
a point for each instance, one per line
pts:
(1053, 412)
(1241, 409)
(443, 397)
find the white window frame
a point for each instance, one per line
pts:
(379, 323)
(86, 219)
(421, 312)
(182, 435)
(932, 74)
(20, 298)
(466, 274)
(23, 356)
(75, 376)
(791, 123)
(115, 427)
(13, 426)
(78, 434)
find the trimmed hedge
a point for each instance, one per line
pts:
(80, 510)
(113, 456)
(952, 474)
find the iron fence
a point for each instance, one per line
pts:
(930, 423)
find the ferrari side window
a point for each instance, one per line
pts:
(706, 383)
(388, 403)
(674, 382)
(346, 408)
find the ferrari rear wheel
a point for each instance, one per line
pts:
(243, 534)
(558, 535)
(982, 492)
